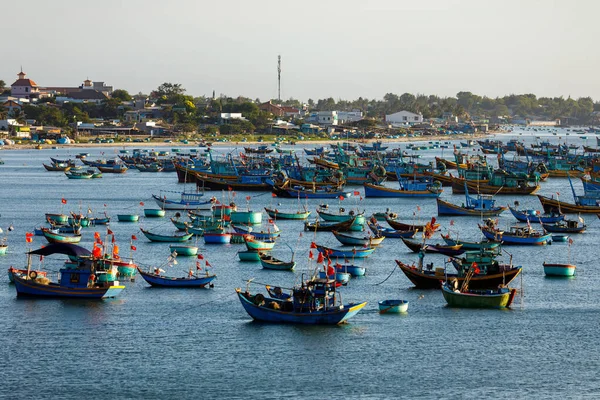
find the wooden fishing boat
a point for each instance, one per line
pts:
(559, 269)
(389, 232)
(112, 169)
(346, 254)
(517, 235)
(149, 167)
(343, 226)
(312, 303)
(52, 237)
(153, 237)
(184, 250)
(23, 273)
(247, 230)
(211, 237)
(258, 150)
(258, 245)
(188, 201)
(275, 213)
(190, 281)
(81, 279)
(249, 255)
(154, 213)
(565, 226)
(534, 216)
(432, 279)
(551, 205)
(393, 306)
(269, 262)
(60, 219)
(246, 183)
(447, 208)
(302, 192)
(351, 240)
(57, 167)
(492, 298)
(448, 250)
(353, 270)
(340, 216)
(100, 221)
(372, 190)
(400, 226)
(521, 186)
(470, 245)
(128, 217)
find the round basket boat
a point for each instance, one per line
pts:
(183, 250)
(393, 306)
(128, 217)
(154, 213)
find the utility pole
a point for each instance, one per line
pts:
(279, 78)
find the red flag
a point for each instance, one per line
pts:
(248, 198)
(208, 264)
(418, 208)
(341, 197)
(320, 258)
(353, 250)
(356, 193)
(200, 257)
(28, 239)
(113, 239)
(301, 235)
(270, 221)
(96, 235)
(313, 245)
(142, 203)
(198, 267)
(133, 248)
(133, 237)
(109, 232)
(28, 234)
(330, 270)
(310, 255)
(570, 241)
(558, 194)
(229, 188)
(63, 200)
(477, 271)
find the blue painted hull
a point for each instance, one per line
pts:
(380, 191)
(329, 317)
(188, 282)
(217, 238)
(29, 288)
(523, 217)
(336, 253)
(446, 208)
(508, 239)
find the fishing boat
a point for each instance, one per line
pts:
(154, 213)
(582, 205)
(52, 237)
(351, 240)
(559, 269)
(153, 237)
(314, 302)
(393, 306)
(258, 245)
(23, 273)
(472, 298)
(187, 201)
(430, 278)
(499, 183)
(128, 217)
(407, 189)
(100, 221)
(269, 262)
(211, 237)
(59, 219)
(343, 226)
(565, 226)
(534, 216)
(249, 255)
(341, 278)
(57, 167)
(346, 254)
(3, 248)
(183, 250)
(353, 270)
(341, 215)
(275, 213)
(82, 279)
(481, 206)
(112, 169)
(259, 150)
(153, 167)
(448, 250)
(389, 232)
(517, 235)
(400, 226)
(470, 245)
(296, 191)
(247, 230)
(156, 279)
(246, 217)
(560, 238)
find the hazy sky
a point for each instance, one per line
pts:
(343, 49)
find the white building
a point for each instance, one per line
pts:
(324, 117)
(24, 87)
(404, 118)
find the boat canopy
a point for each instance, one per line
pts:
(62, 248)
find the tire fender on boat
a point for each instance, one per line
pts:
(33, 275)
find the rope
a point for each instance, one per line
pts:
(387, 277)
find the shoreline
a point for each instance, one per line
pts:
(162, 144)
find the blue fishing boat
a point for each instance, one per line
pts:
(311, 303)
(153, 237)
(393, 306)
(351, 240)
(517, 235)
(249, 255)
(341, 215)
(470, 245)
(534, 216)
(269, 262)
(156, 279)
(183, 250)
(353, 270)
(216, 238)
(390, 232)
(407, 189)
(560, 238)
(481, 206)
(566, 226)
(341, 253)
(295, 192)
(248, 230)
(82, 279)
(187, 201)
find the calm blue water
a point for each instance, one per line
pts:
(152, 343)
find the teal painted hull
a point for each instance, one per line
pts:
(3, 249)
(274, 213)
(246, 217)
(128, 217)
(184, 250)
(153, 213)
(564, 270)
(249, 255)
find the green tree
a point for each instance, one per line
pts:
(2, 85)
(121, 94)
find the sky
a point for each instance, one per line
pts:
(343, 49)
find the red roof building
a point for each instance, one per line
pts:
(24, 88)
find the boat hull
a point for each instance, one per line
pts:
(382, 191)
(216, 238)
(167, 239)
(559, 269)
(128, 217)
(393, 306)
(187, 282)
(553, 205)
(153, 213)
(30, 288)
(469, 300)
(508, 239)
(274, 213)
(184, 250)
(249, 255)
(446, 208)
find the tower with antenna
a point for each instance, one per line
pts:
(279, 78)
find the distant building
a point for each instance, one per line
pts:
(10, 106)
(345, 117)
(274, 109)
(404, 118)
(226, 117)
(324, 118)
(24, 87)
(84, 96)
